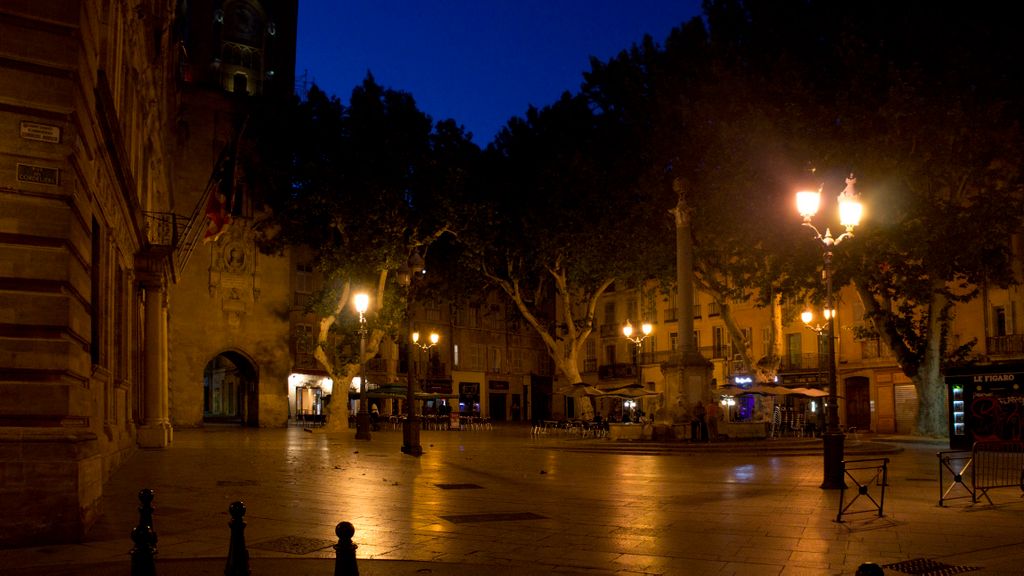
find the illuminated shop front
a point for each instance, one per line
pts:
(308, 396)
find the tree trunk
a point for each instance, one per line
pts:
(765, 369)
(563, 350)
(342, 374)
(571, 372)
(931, 401)
(931, 397)
(922, 363)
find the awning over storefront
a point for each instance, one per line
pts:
(766, 390)
(399, 391)
(629, 391)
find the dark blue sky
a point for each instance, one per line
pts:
(479, 62)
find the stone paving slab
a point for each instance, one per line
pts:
(555, 505)
(298, 567)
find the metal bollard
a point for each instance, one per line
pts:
(146, 509)
(143, 554)
(870, 569)
(345, 564)
(238, 555)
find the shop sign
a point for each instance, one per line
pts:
(437, 386)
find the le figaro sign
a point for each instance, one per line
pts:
(985, 378)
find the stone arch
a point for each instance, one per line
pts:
(231, 389)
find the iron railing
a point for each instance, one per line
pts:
(1005, 345)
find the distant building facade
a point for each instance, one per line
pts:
(875, 394)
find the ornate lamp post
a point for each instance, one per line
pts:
(638, 340)
(849, 216)
(362, 302)
(411, 426)
(432, 341)
(807, 316)
(434, 338)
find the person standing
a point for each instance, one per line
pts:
(714, 415)
(698, 427)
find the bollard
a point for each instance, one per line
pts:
(238, 556)
(143, 554)
(345, 564)
(146, 508)
(870, 569)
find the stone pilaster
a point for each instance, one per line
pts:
(155, 431)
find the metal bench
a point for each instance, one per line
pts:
(996, 464)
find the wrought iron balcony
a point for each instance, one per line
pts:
(163, 228)
(616, 371)
(796, 362)
(1011, 344)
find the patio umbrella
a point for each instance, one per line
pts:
(812, 392)
(584, 389)
(767, 390)
(631, 393)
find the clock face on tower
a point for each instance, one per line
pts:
(243, 22)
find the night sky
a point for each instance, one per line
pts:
(479, 62)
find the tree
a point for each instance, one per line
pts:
(941, 228)
(918, 100)
(694, 128)
(547, 236)
(361, 188)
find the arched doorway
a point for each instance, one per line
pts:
(230, 386)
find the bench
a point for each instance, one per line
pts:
(996, 464)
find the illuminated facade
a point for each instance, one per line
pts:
(877, 395)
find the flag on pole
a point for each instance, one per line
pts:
(221, 191)
(218, 206)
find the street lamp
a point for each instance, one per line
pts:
(638, 340)
(850, 210)
(807, 316)
(411, 427)
(434, 337)
(424, 346)
(362, 302)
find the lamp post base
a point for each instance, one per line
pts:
(411, 437)
(833, 460)
(362, 426)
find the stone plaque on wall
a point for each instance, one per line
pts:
(234, 273)
(40, 132)
(38, 174)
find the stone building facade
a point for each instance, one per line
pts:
(83, 115)
(113, 116)
(875, 394)
(229, 328)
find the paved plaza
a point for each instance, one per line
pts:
(504, 502)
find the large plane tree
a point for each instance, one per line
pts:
(920, 102)
(560, 222)
(361, 188)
